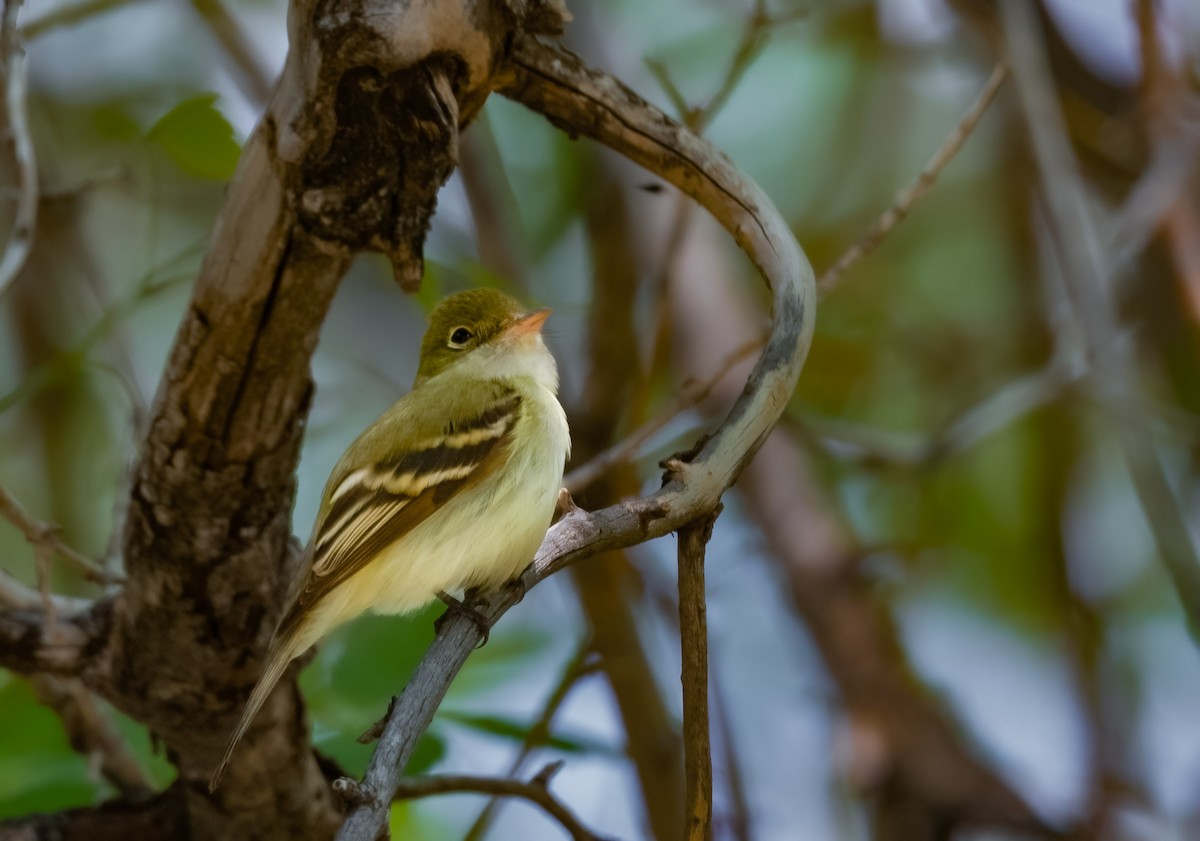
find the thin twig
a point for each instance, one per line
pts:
(17, 596)
(1086, 271)
(580, 665)
(29, 645)
(92, 734)
(693, 644)
(913, 193)
(21, 150)
(44, 536)
(499, 237)
(248, 73)
(690, 394)
(154, 283)
(754, 37)
(536, 791)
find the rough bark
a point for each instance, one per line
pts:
(162, 818)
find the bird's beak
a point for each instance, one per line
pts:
(529, 323)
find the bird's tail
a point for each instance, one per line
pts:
(278, 659)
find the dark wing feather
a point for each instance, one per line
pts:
(373, 508)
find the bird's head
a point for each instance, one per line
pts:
(488, 332)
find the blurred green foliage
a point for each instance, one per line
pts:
(832, 119)
(198, 138)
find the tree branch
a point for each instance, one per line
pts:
(556, 83)
(691, 393)
(68, 645)
(91, 733)
(162, 818)
(20, 147)
(581, 665)
(696, 391)
(536, 791)
(693, 646)
(18, 596)
(244, 65)
(44, 538)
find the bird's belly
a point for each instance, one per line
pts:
(497, 527)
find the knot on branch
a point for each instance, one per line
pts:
(394, 143)
(352, 792)
(549, 771)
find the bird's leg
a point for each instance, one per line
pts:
(463, 607)
(517, 585)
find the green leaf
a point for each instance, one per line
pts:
(198, 138)
(430, 750)
(516, 730)
(39, 772)
(412, 821)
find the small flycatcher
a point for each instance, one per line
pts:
(452, 487)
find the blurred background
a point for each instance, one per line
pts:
(940, 590)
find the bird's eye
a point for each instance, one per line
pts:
(459, 337)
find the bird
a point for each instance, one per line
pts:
(452, 487)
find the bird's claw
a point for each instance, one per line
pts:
(462, 607)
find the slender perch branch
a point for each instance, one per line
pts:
(557, 84)
(693, 645)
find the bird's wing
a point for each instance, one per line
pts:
(368, 508)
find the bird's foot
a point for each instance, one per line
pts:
(463, 607)
(517, 585)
